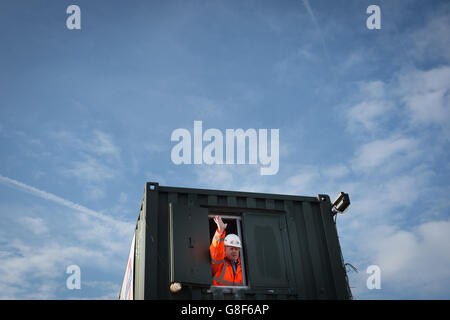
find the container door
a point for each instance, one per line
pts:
(265, 250)
(189, 245)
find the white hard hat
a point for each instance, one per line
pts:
(233, 240)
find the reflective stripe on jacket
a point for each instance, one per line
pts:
(221, 267)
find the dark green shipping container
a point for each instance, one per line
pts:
(290, 246)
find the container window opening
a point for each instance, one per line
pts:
(227, 252)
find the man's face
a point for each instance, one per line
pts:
(232, 253)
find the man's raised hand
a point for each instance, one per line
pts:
(220, 225)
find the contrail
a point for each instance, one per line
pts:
(322, 39)
(54, 198)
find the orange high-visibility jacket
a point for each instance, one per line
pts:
(221, 266)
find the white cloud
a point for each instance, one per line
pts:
(301, 54)
(337, 171)
(432, 42)
(391, 201)
(94, 160)
(430, 107)
(219, 176)
(123, 198)
(387, 198)
(412, 98)
(353, 60)
(387, 152)
(103, 145)
(97, 143)
(373, 89)
(426, 95)
(399, 211)
(91, 170)
(35, 225)
(111, 289)
(387, 226)
(416, 260)
(367, 114)
(93, 192)
(372, 108)
(35, 269)
(303, 182)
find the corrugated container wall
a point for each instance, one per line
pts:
(290, 245)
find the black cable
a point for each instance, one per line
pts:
(351, 266)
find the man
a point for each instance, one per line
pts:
(225, 258)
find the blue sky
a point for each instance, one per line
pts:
(86, 118)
